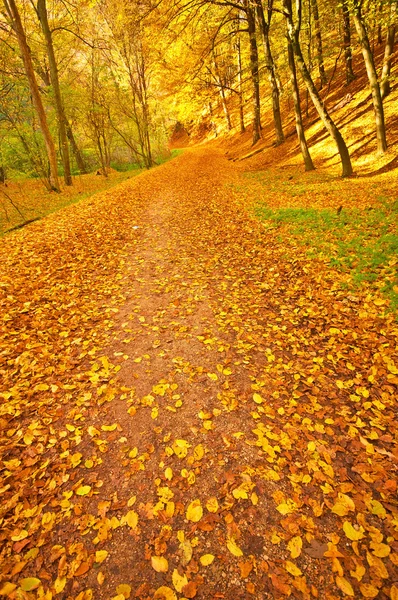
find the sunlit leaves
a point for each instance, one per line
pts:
(29, 583)
(233, 547)
(194, 511)
(160, 564)
(206, 559)
(353, 533)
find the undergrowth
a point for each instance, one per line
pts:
(363, 243)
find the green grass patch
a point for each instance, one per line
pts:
(363, 243)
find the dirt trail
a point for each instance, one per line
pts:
(191, 409)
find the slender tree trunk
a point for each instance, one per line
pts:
(43, 18)
(75, 149)
(309, 165)
(254, 71)
(240, 90)
(269, 61)
(293, 34)
(14, 15)
(318, 38)
(349, 73)
(373, 80)
(221, 90)
(388, 52)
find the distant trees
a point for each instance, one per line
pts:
(17, 26)
(86, 82)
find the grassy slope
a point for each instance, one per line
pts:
(350, 223)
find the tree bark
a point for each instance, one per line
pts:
(293, 34)
(240, 90)
(221, 90)
(372, 77)
(43, 18)
(349, 73)
(75, 149)
(270, 65)
(254, 71)
(319, 48)
(309, 165)
(17, 26)
(388, 51)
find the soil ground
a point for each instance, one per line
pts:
(191, 407)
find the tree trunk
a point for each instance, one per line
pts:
(240, 91)
(270, 65)
(75, 149)
(221, 90)
(388, 51)
(319, 48)
(309, 165)
(43, 18)
(349, 73)
(372, 77)
(254, 71)
(14, 15)
(293, 34)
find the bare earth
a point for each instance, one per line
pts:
(190, 408)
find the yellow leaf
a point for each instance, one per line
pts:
(101, 555)
(59, 584)
(343, 505)
(7, 588)
(125, 589)
(179, 581)
(286, 507)
(20, 536)
(198, 452)
(258, 399)
(233, 547)
(380, 550)
(394, 592)
(377, 566)
(29, 583)
(160, 564)
(83, 490)
(155, 412)
(294, 546)
(186, 549)
(368, 590)
(206, 559)
(345, 586)
(164, 593)
(180, 448)
(194, 511)
(212, 505)
(131, 501)
(212, 376)
(292, 569)
(160, 389)
(109, 427)
(168, 474)
(351, 532)
(100, 577)
(131, 519)
(254, 499)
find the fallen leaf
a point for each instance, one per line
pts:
(160, 564)
(194, 511)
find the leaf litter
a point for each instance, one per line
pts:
(190, 409)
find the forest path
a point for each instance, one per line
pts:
(191, 409)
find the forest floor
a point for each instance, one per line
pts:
(192, 406)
